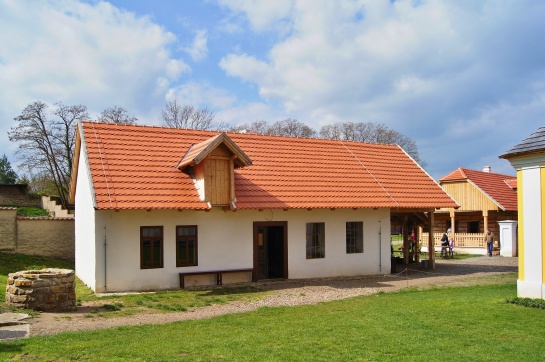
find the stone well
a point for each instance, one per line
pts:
(44, 290)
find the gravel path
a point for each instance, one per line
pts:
(296, 292)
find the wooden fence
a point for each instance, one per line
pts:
(474, 240)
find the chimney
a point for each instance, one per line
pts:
(487, 169)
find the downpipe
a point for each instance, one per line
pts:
(380, 246)
(105, 259)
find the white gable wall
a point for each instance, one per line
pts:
(85, 224)
(225, 241)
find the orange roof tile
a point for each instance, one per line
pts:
(134, 167)
(498, 187)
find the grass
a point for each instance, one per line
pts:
(457, 324)
(168, 301)
(11, 263)
(31, 211)
(128, 304)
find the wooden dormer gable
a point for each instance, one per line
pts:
(211, 164)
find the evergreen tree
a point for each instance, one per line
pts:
(7, 175)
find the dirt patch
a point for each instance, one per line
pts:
(472, 271)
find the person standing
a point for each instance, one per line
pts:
(489, 239)
(444, 245)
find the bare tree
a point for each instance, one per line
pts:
(331, 131)
(292, 128)
(371, 132)
(117, 115)
(259, 127)
(289, 128)
(176, 115)
(46, 146)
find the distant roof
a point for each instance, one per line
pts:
(498, 187)
(534, 143)
(135, 167)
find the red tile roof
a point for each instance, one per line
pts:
(498, 187)
(134, 167)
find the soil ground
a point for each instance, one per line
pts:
(448, 272)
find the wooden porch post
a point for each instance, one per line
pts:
(453, 225)
(485, 217)
(431, 243)
(417, 234)
(405, 241)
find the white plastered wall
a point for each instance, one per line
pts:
(374, 259)
(531, 224)
(532, 284)
(225, 241)
(85, 224)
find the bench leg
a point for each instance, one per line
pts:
(182, 281)
(219, 278)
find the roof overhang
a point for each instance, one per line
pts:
(198, 152)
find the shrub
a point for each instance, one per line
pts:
(528, 302)
(31, 211)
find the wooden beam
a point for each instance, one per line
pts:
(75, 167)
(232, 180)
(405, 241)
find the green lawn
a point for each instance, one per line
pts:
(11, 263)
(111, 306)
(455, 324)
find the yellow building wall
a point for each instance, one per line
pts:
(468, 196)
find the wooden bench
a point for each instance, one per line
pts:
(219, 275)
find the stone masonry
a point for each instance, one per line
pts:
(43, 290)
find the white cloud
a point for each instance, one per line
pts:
(201, 95)
(226, 105)
(198, 49)
(262, 14)
(96, 55)
(415, 66)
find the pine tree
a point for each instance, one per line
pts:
(7, 175)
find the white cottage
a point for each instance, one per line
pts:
(162, 208)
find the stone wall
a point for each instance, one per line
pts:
(44, 236)
(44, 290)
(20, 200)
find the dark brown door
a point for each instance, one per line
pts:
(270, 250)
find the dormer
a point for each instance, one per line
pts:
(212, 164)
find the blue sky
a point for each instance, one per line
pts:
(464, 79)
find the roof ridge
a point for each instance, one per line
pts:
(235, 133)
(490, 173)
(148, 125)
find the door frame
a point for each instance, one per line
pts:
(257, 225)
